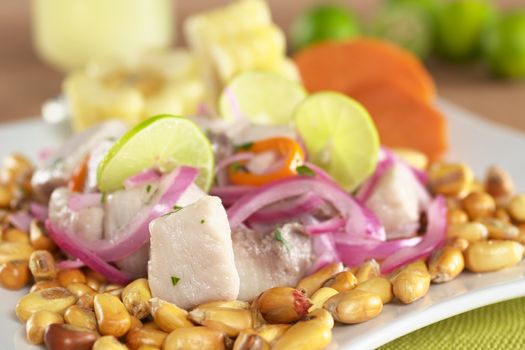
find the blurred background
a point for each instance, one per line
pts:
(26, 81)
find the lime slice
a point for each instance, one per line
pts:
(340, 137)
(263, 97)
(164, 141)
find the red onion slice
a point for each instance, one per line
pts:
(360, 222)
(329, 226)
(324, 248)
(238, 157)
(78, 202)
(143, 177)
(39, 211)
(67, 243)
(70, 264)
(21, 220)
(433, 238)
(288, 209)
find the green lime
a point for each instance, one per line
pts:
(459, 27)
(165, 141)
(504, 45)
(263, 97)
(323, 22)
(408, 25)
(339, 136)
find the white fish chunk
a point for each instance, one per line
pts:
(396, 202)
(266, 260)
(194, 246)
(86, 223)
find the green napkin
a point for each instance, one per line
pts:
(497, 326)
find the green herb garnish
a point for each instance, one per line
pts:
(203, 221)
(236, 166)
(303, 170)
(148, 188)
(244, 146)
(279, 238)
(103, 198)
(176, 208)
(174, 280)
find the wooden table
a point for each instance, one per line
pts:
(26, 82)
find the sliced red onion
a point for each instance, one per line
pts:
(45, 154)
(360, 222)
(78, 202)
(288, 209)
(329, 226)
(324, 248)
(67, 243)
(172, 186)
(354, 252)
(70, 264)
(368, 187)
(21, 220)
(39, 211)
(433, 238)
(230, 194)
(237, 157)
(143, 177)
(320, 172)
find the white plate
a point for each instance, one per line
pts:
(473, 140)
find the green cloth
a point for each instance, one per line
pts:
(497, 326)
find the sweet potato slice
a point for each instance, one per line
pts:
(344, 65)
(402, 119)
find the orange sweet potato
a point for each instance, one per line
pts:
(402, 119)
(344, 65)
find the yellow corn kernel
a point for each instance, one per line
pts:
(112, 316)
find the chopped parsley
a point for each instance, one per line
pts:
(174, 280)
(176, 208)
(277, 234)
(244, 146)
(236, 166)
(103, 198)
(203, 221)
(57, 161)
(303, 170)
(148, 188)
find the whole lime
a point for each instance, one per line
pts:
(323, 22)
(504, 45)
(459, 27)
(408, 25)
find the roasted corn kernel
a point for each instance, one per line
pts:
(320, 296)
(456, 216)
(138, 337)
(52, 299)
(43, 285)
(313, 282)
(195, 338)
(305, 335)
(233, 304)
(446, 264)
(42, 265)
(14, 274)
(450, 179)
(108, 342)
(79, 316)
(460, 243)
(471, 231)
(69, 337)
(227, 320)
(15, 235)
(342, 281)
(516, 208)
(282, 305)
(321, 315)
(136, 296)
(66, 277)
(380, 286)
(411, 282)
(498, 182)
(272, 332)
(354, 306)
(479, 205)
(37, 323)
(112, 316)
(485, 256)
(499, 229)
(5, 196)
(369, 269)
(248, 339)
(39, 238)
(168, 316)
(10, 251)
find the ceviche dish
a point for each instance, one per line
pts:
(276, 199)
